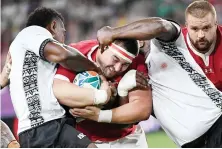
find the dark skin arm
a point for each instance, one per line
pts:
(68, 57)
(145, 29)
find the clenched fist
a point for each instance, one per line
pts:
(105, 36)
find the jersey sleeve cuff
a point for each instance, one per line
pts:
(41, 49)
(61, 77)
(178, 28)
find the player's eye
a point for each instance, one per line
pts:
(206, 28)
(115, 59)
(125, 66)
(194, 29)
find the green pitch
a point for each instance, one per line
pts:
(159, 140)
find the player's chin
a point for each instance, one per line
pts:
(109, 74)
(203, 47)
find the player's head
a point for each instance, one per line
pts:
(201, 22)
(117, 57)
(49, 19)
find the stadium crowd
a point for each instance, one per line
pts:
(84, 17)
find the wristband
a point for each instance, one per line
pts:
(105, 116)
(100, 97)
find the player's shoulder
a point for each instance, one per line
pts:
(140, 58)
(184, 30)
(84, 46)
(34, 29)
(139, 63)
(84, 43)
(220, 29)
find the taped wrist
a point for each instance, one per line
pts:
(105, 116)
(127, 83)
(100, 97)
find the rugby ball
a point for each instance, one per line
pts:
(88, 79)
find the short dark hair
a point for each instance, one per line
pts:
(131, 45)
(43, 16)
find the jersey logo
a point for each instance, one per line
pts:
(208, 70)
(81, 135)
(163, 65)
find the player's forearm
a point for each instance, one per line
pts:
(4, 81)
(71, 95)
(131, 113)
(68, 57)
(145, 29)
(138, 108)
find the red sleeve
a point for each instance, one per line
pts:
(139, 64)
(63, 72)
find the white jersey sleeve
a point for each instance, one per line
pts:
(34, 38)
(178, 40)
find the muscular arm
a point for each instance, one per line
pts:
(145, 29)
(138, 108)
(68, 57)
(71, 95)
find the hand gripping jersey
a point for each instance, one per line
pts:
(211, 62)
(94, 130)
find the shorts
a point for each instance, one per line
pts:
(137, 139)
(211, 139)
(54, 134)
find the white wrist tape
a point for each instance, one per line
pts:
(100, 97)
(127, 83)
(105, 116)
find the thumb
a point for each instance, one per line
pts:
(90, 107)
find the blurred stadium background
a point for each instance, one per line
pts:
(82, 19)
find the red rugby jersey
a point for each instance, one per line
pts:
(212, 66)
(94, 130)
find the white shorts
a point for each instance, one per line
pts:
(137, 139)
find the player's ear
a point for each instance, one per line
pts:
(53, 25)
(186, 23)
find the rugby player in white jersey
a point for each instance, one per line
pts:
(35, 53)
(185, 101)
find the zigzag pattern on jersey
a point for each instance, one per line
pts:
(200, 80)
(30, 85)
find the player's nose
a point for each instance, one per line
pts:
(118, 67)
(200, 34)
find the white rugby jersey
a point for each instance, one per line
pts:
(184, 100)
(31, 79)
